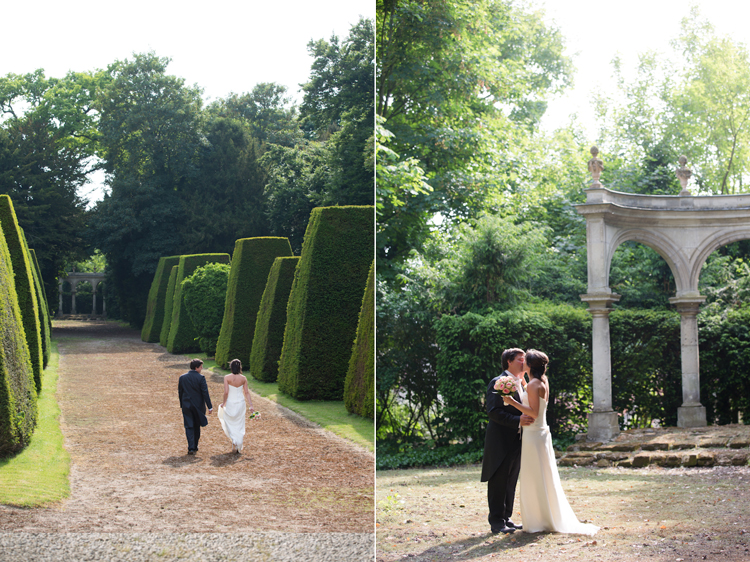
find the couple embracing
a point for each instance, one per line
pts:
(518, 443)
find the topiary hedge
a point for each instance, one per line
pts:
(18, 395)
(25, 291)
(271, 320)
(157, 297)
(324, 302)
(45, 325)
(204, 293)
(359, 387)
(182, 333)
(251, 262)
(168, 302)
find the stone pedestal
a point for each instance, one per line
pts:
(691, 416)
(603, 426)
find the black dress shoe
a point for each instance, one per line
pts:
(503, 529)
(191, 452)
(510, 523)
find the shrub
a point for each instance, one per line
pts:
(25, 290)
(251, 262)
(324, 302)
(182, 334)
(204, 293)
(45, 325)
(157, 297)
(269, 325)
(166, 323)
(18, 395)
(359, 386)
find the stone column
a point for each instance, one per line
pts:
(60, 295)
(603, 421)
(73, 287)
(93, 296)
(691, 413)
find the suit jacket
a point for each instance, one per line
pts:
(193, 392)
(502, 437)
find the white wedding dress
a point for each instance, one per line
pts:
(544, 506)
(232, 416)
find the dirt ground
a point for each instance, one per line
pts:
(129, 465)
(662, 514)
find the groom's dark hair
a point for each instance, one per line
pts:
(195, 363)
(509, 355)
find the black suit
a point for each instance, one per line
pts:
(502, 455)
(193, 392)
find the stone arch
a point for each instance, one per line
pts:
(684, 230)
(74, 279)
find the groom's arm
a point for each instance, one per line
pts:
(498, 412)
(206, 397)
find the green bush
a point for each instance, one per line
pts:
(204, 293)
(269, 325)
(157, 296)
(251, 262)
(45, 325)
(324, 302)
(166, 323)
(359, 387)
(25, 290)
(182, 333)
(18, 395)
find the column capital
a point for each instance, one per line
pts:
(600, 303)
(688, 304)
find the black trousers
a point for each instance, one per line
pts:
(501, 490)
(192, 423)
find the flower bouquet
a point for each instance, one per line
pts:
(505, 385)
(254, 415)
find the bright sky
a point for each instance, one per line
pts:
(596, 31)
(223, 46)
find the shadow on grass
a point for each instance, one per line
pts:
(479, 546)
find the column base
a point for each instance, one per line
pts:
(603, 426)
(691, 416)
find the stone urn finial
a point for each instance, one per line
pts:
(595, 167)
(683, 174)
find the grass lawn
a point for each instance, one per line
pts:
(39, 474)
(661, 514)
(330, 415)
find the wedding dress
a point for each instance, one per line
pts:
(232, 416)
(544, 506)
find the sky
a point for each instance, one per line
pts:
(597, 31)
(223, 46)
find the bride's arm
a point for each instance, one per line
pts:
(226, 391)
(247, 396)
(533, 408)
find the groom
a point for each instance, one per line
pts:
(502, 445)
(193, 392)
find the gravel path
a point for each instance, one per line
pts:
(296, 493)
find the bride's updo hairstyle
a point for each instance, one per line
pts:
(537, 362)
(235, 365)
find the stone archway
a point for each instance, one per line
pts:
(683, 229)
(95, 279)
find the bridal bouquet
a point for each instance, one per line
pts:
(254, 415)
(506, 385)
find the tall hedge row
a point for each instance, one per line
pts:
(359, 387)
(45, 325)
(251, 262)
(25, 290)
(168, 302)
(271, 320)
(182, 334)
(157, 297)
(324, 302)
(18, 394)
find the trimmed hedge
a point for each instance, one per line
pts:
(168, 301)
(157, 297)
(182, 334)
(325, 301)
(45, 325)
(271, 320)
(25, 290)
(204, 293)
(359, 386)
(251, 262)
(18, 395)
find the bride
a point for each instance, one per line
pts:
(544, 506)
(232, 409)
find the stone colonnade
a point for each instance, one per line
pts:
(683, 229)
(95, 279)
